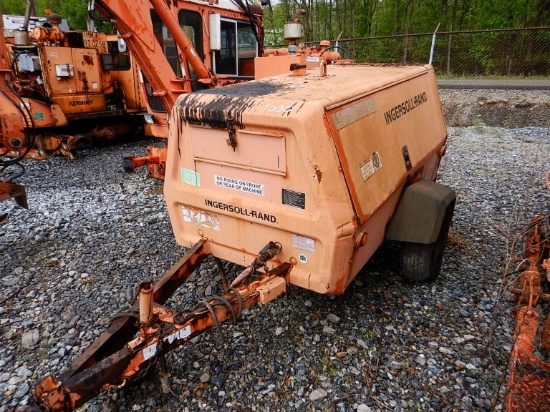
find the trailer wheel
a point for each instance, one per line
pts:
(422, 262)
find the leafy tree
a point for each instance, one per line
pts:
(326, 19)
(13, 7)
(76, 13)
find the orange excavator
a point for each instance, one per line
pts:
(61, 90)
(64, 89)
(196, 46)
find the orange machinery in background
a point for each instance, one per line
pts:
(188, 53)
(63, 88)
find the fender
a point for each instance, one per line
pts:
(420, 212)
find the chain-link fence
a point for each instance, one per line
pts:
(506, 56)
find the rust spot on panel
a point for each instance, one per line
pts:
(318, 173)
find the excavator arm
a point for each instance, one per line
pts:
(133, 22)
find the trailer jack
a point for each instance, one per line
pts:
(529, 382)
(143, 334)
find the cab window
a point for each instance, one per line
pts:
(191, 24)
(239, 47)
(167, 42)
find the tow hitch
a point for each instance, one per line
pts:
(143, 334)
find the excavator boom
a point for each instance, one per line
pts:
(133, 22)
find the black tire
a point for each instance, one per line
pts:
(422, 262)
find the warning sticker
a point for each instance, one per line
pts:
(371, 166)
(242, 185)
(190, 177)
(180, 334)
(303, 243)
(149, 351)
(201, 217)
(295, 199)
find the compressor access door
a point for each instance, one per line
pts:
(383, 137)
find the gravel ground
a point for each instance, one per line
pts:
(92, 231)
(496, 108)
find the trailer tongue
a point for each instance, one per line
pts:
(143, 334)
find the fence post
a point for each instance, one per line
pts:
(433, 44)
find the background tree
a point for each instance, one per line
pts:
(326, 19)
(74, 11)
(15, 7)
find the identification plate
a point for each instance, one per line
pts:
(294, 199)
(371, 166)
(303, 243)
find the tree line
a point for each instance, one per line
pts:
(328, 19)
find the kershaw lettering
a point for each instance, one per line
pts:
(241, 211)
(405, 107)
(80, 102)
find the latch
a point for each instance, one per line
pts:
(232, 133)
(406, 157)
